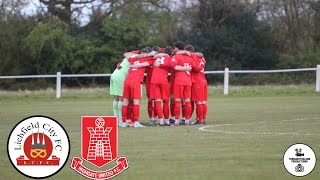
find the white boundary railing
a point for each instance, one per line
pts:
(226, 73)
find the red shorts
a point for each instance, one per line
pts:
(148, 90)
(132, 89)
(199, 92)
(182, 91)
(159, 91)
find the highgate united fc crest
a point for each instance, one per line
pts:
(99, 147)
(38, 147)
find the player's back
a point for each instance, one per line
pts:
(137, 74)
(160, 74)
(199, 77)
(182, 77)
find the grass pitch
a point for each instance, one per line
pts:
(246, 136)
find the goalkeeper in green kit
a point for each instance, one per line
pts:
(116, 87)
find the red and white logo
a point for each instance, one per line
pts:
(99, 147)
(38, 147)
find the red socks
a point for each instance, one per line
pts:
(183, 108)
(177, 109)
(124, 113)
(150, 109)
(159, 109)
(205, 108)
(187, 110)
(166, 109)
(136, 112)
(172, 106)
(200, 112)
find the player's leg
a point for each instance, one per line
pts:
(136, 95)
(183, 109)
(115, 99)
(130, 113)
(187, 101)
(115, 108)
(156, 95)
(120, 99)
(125, 104)
(205, 109)
(172, 117)
(159, 111)
(204, 103)
(197, 96)
(165, 95)
(150, 107)
(177, 103)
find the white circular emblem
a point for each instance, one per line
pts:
(38, 147)
(299, 160)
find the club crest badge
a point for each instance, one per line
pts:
(99, 141)
(38, 147)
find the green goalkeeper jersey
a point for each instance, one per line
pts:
(121, 74)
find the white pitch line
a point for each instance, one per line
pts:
(257, 133)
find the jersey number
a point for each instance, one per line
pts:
(160, 60)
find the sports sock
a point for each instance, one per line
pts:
(115, 108)
(159, 109)
(192, 108)
(177, 109)
(205, 108)
(136, 112)
(199, 112)
(166, 109)
(130, 111)
(124, 113)
(155, 113)
(172, 106)
(183, 108)
(167, 121)
(187, 110)
(150, 109)
(119, 109)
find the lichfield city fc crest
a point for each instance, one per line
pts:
(99, 143)
(38, 147)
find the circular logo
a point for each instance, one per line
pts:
(299, 160)
(38, 147)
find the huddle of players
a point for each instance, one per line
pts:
(188, 85)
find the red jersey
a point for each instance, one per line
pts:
(199, 76)
(183, 77)
(160, 74)
(137, 74)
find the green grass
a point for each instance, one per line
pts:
(253, 148)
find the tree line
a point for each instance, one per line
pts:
(239, 34)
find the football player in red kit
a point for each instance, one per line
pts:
(182, 84)
(159, 85)
(132, 85)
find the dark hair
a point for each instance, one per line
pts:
(144, 50)
(179, 45)
(168, 50)
(156, 48)
(148, 49)
(189, 48)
